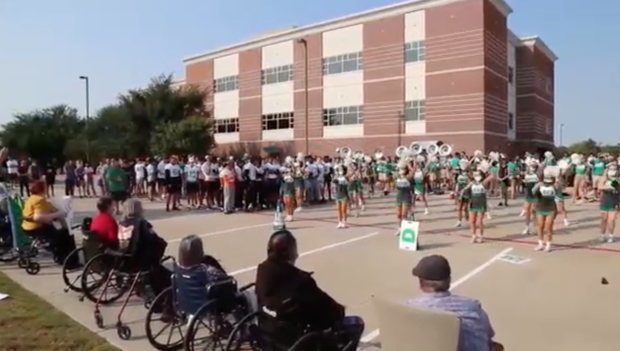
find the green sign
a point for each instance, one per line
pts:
(408, 238)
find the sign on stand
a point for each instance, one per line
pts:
(408, 238)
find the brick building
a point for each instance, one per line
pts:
(427, 70)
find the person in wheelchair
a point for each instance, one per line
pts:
(289, 296)
(104, 223)
(42, 221)
(150, 248)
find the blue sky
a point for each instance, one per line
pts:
(46, 45)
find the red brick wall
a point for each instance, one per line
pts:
(384, 76)
(535, 106)
(201, 74)
(315, 88)
(250, 102)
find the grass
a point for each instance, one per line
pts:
(29, 323)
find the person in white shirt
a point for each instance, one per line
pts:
(174, 179)
(250, 172)
(12, 166)
(328, 174)
(192, 187)
(140, 171)
(240, 185)
(320, 179)
(312, 189)
(161, 178)
(151, 179)
(210, 172)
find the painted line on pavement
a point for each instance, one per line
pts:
(226, 231)
(320, 249)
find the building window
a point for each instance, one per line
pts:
(275, 75)
(342, 116)
(511, 121)
(415, 110)
(549, 86)
(511, 75)
(228, 125)
(223, 84)
(548, 127)
(415, 51)
(276, 121)
(342, 63)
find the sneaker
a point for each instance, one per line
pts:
(339, 225)
(522, 214)
(298, 209)
(610, 238)
(289, 218)
(479, 239)
(426, 211)
(566, 223)
(548, 247)
(458, 224)
(540, 246)
(526, 231)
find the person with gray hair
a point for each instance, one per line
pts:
(136, 235)
(193, 273)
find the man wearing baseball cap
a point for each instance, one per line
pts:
(435, 275)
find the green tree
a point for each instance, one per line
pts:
(43, 134)
(192, 135)
(585, 147)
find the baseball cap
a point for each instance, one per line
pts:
(433, 267)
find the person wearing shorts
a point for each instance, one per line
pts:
(419, 186)
(530, 179)
(477, 193)
(174, 180)
(404, 195)
(546, 210)
(462, 198)
(341, 184)
(116, 183)
(192, 186)
(287, 191)
(609, 201)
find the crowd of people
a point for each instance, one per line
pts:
(252, 184)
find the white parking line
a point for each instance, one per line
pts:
(324, 248)
(375, 333)
(226, 231)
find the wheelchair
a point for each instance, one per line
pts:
(91, 247)
(207, 320)
(249, 334)
(118, 275)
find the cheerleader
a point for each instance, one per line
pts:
(514, 174)
(559, 199)
(287, 193)
(341, 185)
(546, 211)
(419, 185)
(299, 173)
(609, 201)
(404, 194)
(476, 191)
(355, 188)
(530, 179)
(462, 198)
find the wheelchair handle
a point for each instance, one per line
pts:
(246, 287)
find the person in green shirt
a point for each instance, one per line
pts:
(476, 192)
(546, 211)
(609, 202)
(580, 169)
(514, 175)
(116, 183)
(598, 166)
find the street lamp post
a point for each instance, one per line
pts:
(306, 107)
(87, 87)
(562, 134)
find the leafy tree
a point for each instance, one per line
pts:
(158, 118)
(191, 135)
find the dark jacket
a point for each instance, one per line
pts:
(147, 247)
(294, 297)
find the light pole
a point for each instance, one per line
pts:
(561, 134)
(87, 87)
(306, 107)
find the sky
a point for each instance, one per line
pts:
(46, 45)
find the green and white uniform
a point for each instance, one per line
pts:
(610, 198)
(545, 199)
(598, 168)
(418, 182)
(581, 169)
(478, 197)
(404, 194)
(529, 182)
(461, 183)
(342, 188)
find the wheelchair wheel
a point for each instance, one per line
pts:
(93, 281)
(72, 277)
(312, 341)
(33, 268)
(22, 262)
(208, 329)
(245, 335)
(162, 320)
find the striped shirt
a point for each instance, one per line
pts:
(476, 330)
